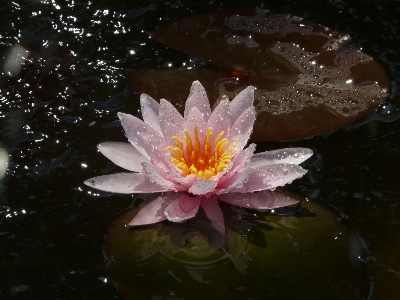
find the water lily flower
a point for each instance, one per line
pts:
(198, 158)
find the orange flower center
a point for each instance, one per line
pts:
(204, 159)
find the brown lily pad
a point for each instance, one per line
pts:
(310, 79)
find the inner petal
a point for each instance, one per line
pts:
(205, 157)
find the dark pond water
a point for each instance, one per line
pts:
(64, 101)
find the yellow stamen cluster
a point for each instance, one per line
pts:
(202, 159)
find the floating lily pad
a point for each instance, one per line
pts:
(310, 79)
(384, 269)
(262, 255)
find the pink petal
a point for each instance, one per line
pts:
(124, 183)
(202, 187)
(123, 155)
(155, 147)
(152, 212)
(183, 208)
(150, 110)
(234, 182)
(220, 119)
(261, 200)
(242, 158)
(243, 126)
(159, 176)
(239, 160)
(169, 114)
(195, 119)
(239, 142)
(287, 155)
(270, 177)
(214, 213)
(185, 181)
(243, 101)
(170, 130)
(198, 98)
(144, 138)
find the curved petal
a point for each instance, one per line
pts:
(152, 212)
(235, 182)
(242, 158)
(123, 155)
(185, 181)
(261, 200)
(243, 126)
(159, 176)
(150, 109)
(170, 130)
(168, 113)
(144, 138)
(243, 101)
(195, 119)
(286, 155)
(124, 183)
(270, 177)
(220, 119)
(238, 142)
(214, 213)
(198, 98)
(202, 187)
(183, 208)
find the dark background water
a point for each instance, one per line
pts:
(65, 99)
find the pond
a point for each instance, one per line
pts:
(60, 98)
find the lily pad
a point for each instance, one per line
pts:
(294, 253)
(310, 79)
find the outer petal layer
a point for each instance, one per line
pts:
(159, 176)
(243, 126)
(123, 155)
(287, 155)
(262, 200)
(143, 137)
(124, 183)
(150, 110)
(241, 102)
(270, 177)
(151, 213)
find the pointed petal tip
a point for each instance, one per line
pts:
(150, 213)
(196, 82)
(121, 115)
(143, 95)
(134, 223)
(89, 182)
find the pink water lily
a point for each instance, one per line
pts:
(199, 158)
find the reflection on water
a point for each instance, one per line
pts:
(63, 80)
(262, 255)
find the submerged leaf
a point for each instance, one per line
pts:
(265, 254)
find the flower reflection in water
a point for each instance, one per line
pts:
(261, 255)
